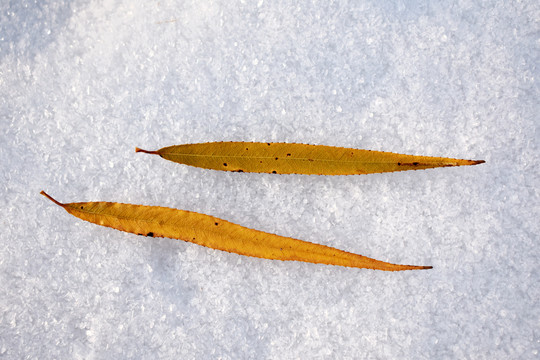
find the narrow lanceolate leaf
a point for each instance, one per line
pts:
(285, 158)
(218, 234)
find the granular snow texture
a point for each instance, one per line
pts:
(82, 83)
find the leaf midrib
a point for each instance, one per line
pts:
(309, 159)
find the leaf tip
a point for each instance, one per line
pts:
(476, 162)
(51, 198)
(414, 267)
(146, 151)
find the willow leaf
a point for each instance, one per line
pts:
(286, 158)
(209, 231)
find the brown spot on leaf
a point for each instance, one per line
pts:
(239, 170)
(224, 164)
(288, 154)
(274, 172)
(416, 163)
(268, 144)
(216, 223)
(150, 234)
(277, 158)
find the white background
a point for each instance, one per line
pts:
(82, 83)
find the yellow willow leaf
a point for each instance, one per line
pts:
(205, 230)
(285, 158)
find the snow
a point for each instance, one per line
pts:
(82, 83)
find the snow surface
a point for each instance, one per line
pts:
(82, 83)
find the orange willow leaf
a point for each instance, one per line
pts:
(205, 230)
(285, 158)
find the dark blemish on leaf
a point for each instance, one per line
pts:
(224, 164)
(260, 162)
(277, 158)
(193, 239)
(310, 159)
(288, 154)
(150, 234)
(399, 164)
(247, 149)
(416, 163)
(268, 144)
(216, 223)
(82, 207)
(274, 172)
(239, 170)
